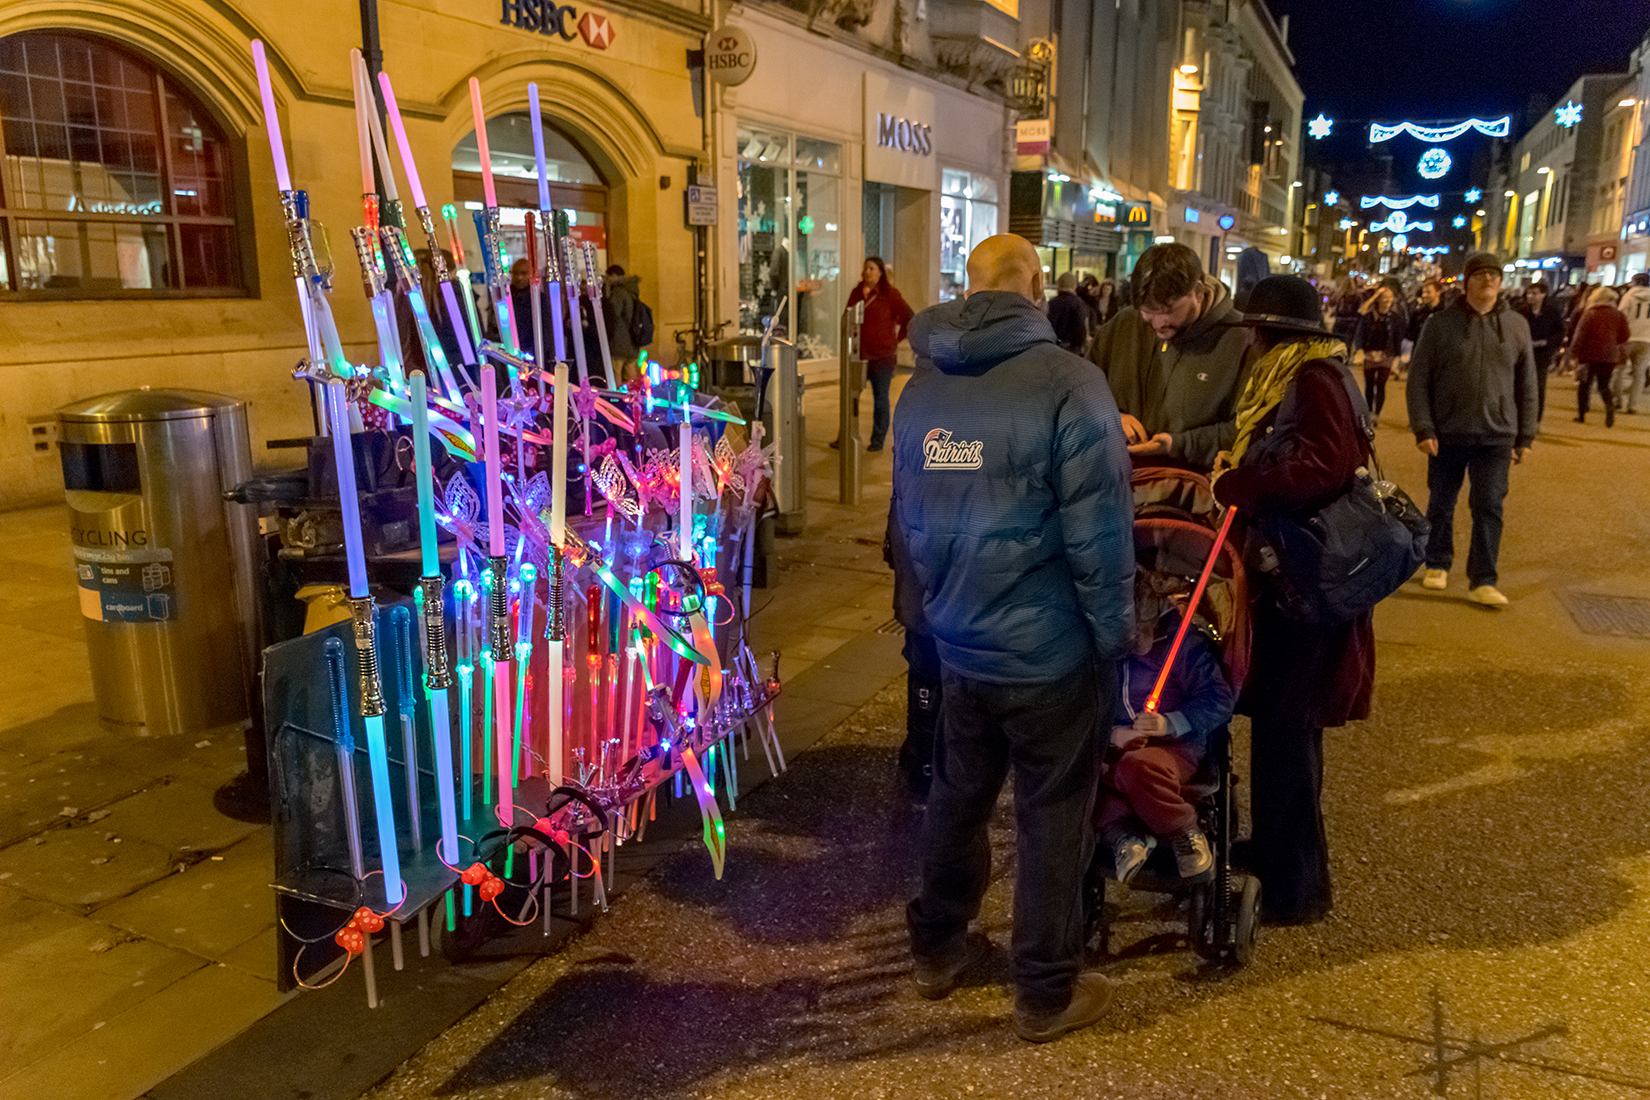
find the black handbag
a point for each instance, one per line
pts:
(1337, 563)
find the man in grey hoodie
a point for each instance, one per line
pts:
(1472, 407)
(1012, 499)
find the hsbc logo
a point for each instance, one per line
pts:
(940, 452)
(562, 20)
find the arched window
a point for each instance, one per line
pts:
(577, 189)
(116, 183)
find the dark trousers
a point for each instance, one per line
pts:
(881, 413)
(1589, 375)
(1049, 734)
(1543, 365)
(1289, 851)
(923, 693)
(1375, 387)
(1487, 465)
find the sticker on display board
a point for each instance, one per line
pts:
(128, 592)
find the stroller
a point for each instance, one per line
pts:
(1174, 531)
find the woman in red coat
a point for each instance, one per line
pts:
(1300, 440)
(886, 318)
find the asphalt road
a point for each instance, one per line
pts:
(1490, 839)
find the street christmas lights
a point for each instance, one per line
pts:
(1429, 201)
(1568, 115)
(1473, 194)
(1434, 164)
(1320, 127)
(1399, 223)
(1330, 198)
(1499, 127)
(1460, 221)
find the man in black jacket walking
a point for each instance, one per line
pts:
(1472, 407)
(1012, 498)
(1069, 316)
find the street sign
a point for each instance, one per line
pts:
(730, 55)
(701, 205)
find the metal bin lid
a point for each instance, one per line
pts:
(145, 403)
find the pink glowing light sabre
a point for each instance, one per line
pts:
(1191, 609)
(499, 607)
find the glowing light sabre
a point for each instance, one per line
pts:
(1156, 696)
(1429, 201)
(684, 448)
(1499, 127)
(398, 254)
(523, 651)
(438, 679)
(455, 316)
(323, 339)
(364, 106)
(487, 229)
(583, 554)
(382, 305)
(570, 282)
(598, 319)
(461, 273)
(498, 593)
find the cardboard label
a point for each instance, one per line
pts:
(127, 586)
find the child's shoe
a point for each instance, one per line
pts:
(1192, 855)
(1128, 853)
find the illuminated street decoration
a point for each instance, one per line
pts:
(1400, 242)
(1399, 223)
(1330, 198)
(1428, 201)
(1460, 221)
(1319, 127)
(1500, 127)
(1569, 115)
(1434, 164)
(1347, 223)
(1473, 194)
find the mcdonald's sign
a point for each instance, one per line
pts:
(1140, 215)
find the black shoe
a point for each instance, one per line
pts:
(1609, 416)
(873, 448)
(935, 981)
(1579, 420)
(1090, 997)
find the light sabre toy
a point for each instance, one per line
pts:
(322, 335)
(382, 305)
(593, 287)
(498, 594)
(461, 273)
(390, 208)
(401, 627)
(364, 107)
(1156, 696)
(454, 315)
(570, 276)
(398, 255)
(487, 229)
(438, 679)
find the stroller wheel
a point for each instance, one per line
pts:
(1200, 924)
(1248, 921)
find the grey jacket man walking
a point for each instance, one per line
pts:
(1012, 497)
(1473, 408)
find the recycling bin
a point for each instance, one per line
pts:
(164, 561)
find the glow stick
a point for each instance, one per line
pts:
(684, 448)
(454, 315)
(398, 254)
(292, 205)
(498, 605)
(1191, 609)
(383, 306)
(593, 285)
(375, 129)
(435, 620)
(363, 612)
(487, 226)
(369, 187)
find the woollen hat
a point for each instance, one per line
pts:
(1481, 261)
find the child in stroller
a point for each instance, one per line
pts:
(1153, 755)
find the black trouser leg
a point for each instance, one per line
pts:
(922, 709)
(1290, 849)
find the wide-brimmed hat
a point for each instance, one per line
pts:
(1287, 303)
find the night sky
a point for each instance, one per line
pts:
(1450, 59)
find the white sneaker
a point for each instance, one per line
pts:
(1192, 855)
(1435, 578)
(1128, 854)
(1488, 595)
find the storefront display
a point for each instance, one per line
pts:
(789, 247)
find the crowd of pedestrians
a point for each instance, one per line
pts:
(1033, 635)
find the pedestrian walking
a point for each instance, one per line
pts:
(1011, 491)
(1299, 442)
(1599, 347)
(887, 317)
(1069, 316)
(1345, 306)
(629, 321)
(1546, 323)
(1635, 306)
(1101, 295)
(1472, 407)
(1175, 359)
(1424, 306)
(1376, 343)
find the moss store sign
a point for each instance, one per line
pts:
(561, 20)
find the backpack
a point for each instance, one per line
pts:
(641, 324)
(1339, 562)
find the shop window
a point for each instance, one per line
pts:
(968, 215)
(576, 186)
(116, 183)
(790, 239)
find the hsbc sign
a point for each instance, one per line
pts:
(562, 20)
(730, 55)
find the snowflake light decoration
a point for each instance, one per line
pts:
(1319, 127)
(1473, 194)
(1460, 221)
(1569, 115)
(1434, 164)
(1330, 198)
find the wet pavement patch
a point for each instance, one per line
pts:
(1621, 616)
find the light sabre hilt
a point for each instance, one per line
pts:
(592, 277)
(498, 609)
(363, 611)
(534, 274)
(398, 258)
(555, 629)
(300, 239)
(492, 251)
(449, 218)
(435, 633)
(437, 261)
(366, 251)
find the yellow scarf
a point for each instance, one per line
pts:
(1269, 380)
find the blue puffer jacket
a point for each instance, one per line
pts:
(1011, 488)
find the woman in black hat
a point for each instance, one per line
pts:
(1300, 439)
